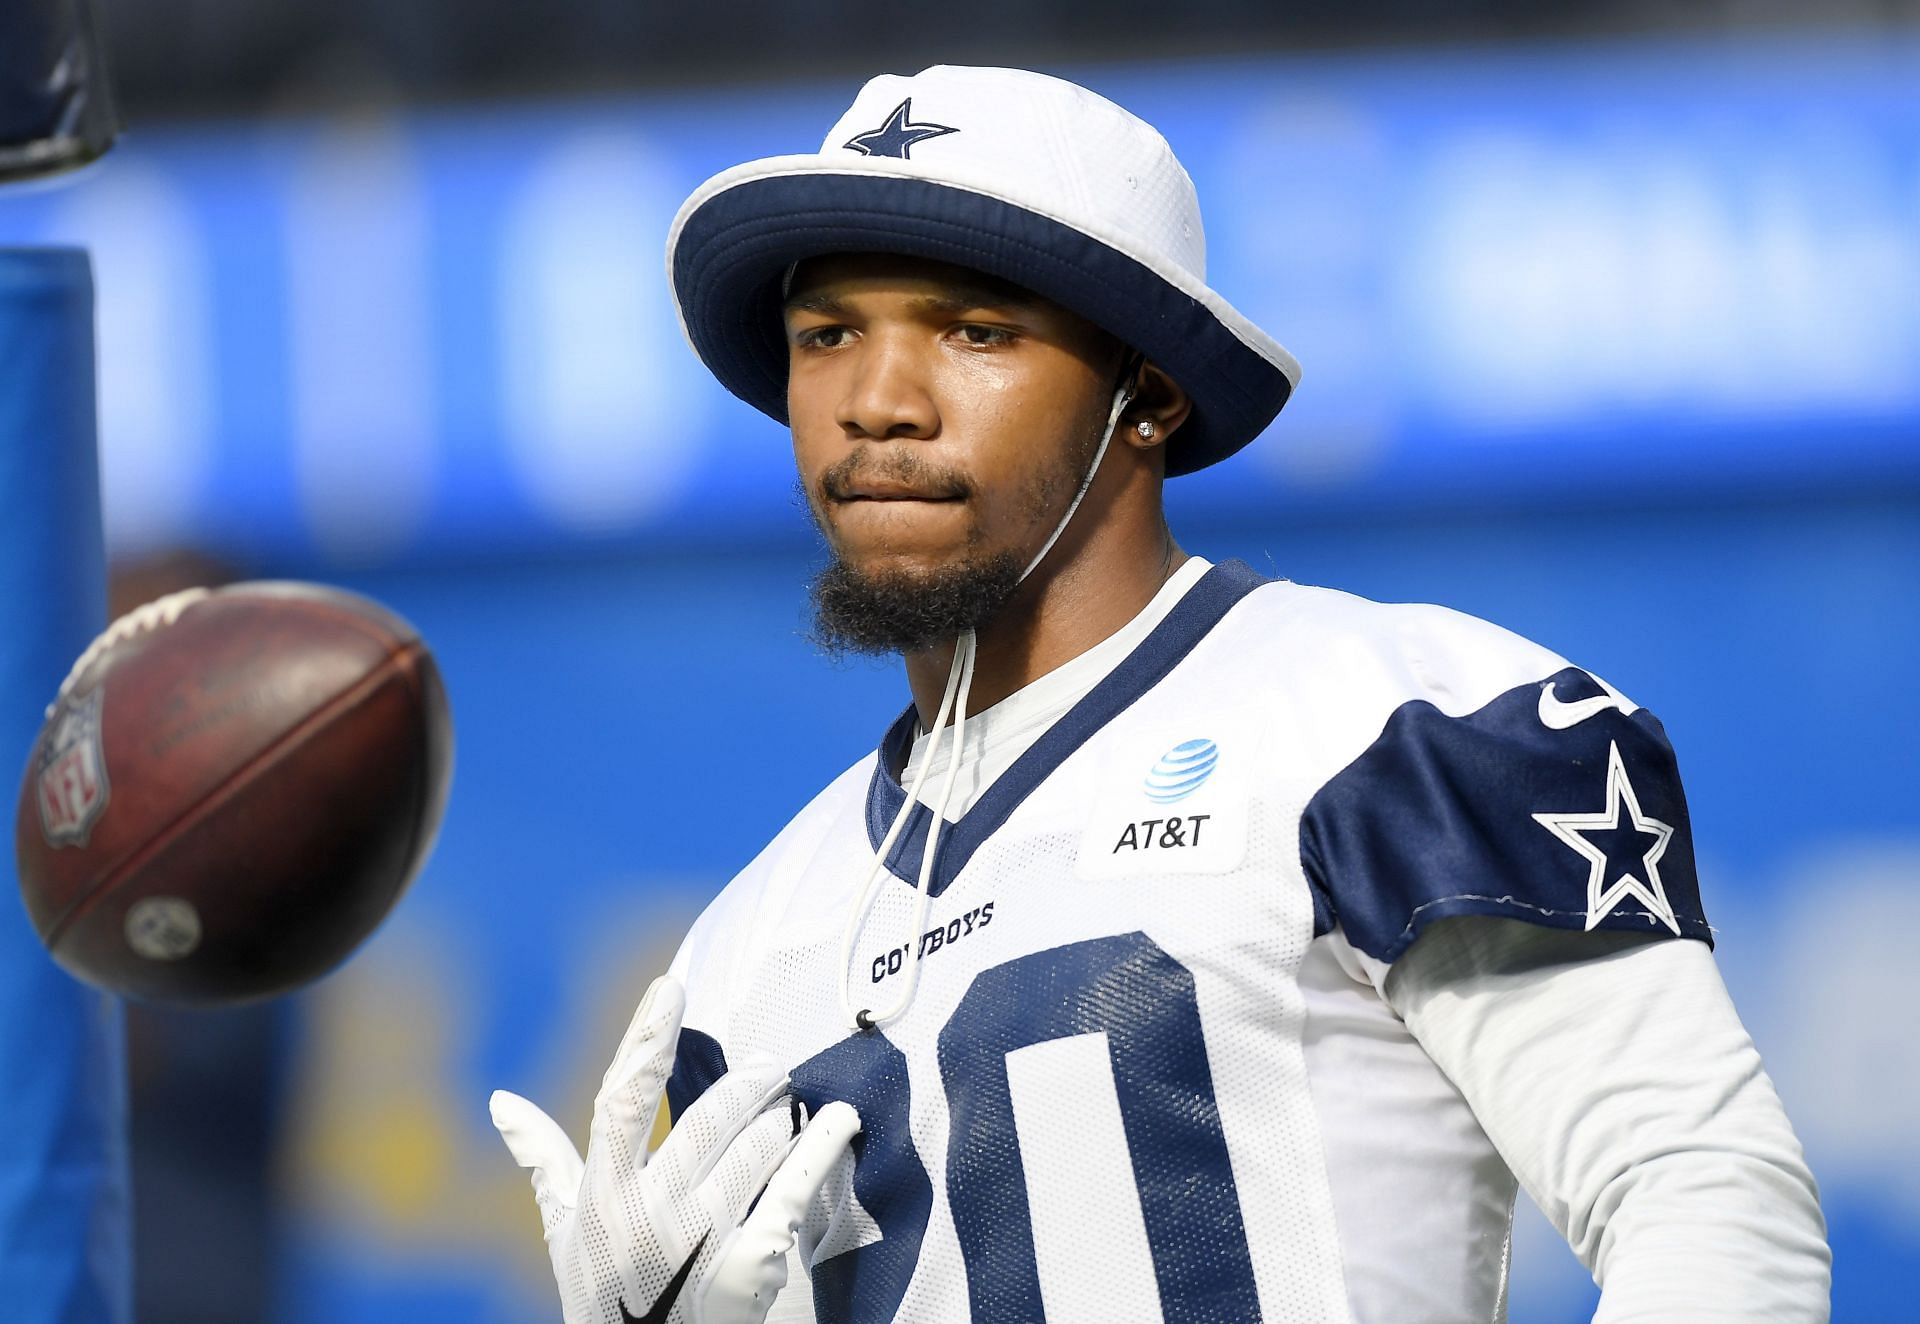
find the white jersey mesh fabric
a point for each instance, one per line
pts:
(1160, 941)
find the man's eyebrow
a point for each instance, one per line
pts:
(952, 299)
(960, 298)
(819, 302)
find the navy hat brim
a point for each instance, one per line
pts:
(732, 250)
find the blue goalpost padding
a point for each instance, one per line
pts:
(65, 1253)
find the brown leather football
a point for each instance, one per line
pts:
(231, 791)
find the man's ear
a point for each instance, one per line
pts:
(1157, 399)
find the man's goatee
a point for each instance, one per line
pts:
(906, 613)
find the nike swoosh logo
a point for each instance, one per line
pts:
(1558, 714)
(669, 1294)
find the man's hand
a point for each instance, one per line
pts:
(670, 1240)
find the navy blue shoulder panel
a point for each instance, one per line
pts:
(1204, 606)
(1549, 805)
(698, 1061)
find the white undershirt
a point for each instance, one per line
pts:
(1610, 1071)
(1613, 1074)
(997, 736)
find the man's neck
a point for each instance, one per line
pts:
(1050, 621)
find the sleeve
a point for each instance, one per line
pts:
(1615, 1078)
(1556, 802)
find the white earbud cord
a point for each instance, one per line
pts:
(876, 872)
(959, 683)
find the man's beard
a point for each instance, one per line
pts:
(906, 612)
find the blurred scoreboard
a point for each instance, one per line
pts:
(1604, 273)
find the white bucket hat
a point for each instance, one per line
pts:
(1029, 178)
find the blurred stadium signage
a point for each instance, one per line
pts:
(1615, 274)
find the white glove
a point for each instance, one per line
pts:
(670, 1240)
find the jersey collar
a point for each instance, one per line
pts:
(1146, 666)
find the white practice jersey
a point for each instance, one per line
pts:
(1147, 1073)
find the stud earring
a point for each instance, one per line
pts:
(1145, 428)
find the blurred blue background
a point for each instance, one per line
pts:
(1611, 336)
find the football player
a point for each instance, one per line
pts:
(1195, 946)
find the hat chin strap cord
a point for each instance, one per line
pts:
(952, 702)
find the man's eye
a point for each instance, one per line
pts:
(976, 334)
(822, 337)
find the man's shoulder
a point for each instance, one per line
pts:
(1398, 651)
(1460, 769)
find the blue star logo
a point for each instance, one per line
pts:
(897, 136)
(1623, 856)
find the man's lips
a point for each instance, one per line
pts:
(881, 490)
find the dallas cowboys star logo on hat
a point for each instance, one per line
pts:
(897, 136)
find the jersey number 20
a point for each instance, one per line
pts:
(1124, 990)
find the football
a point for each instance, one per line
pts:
(231, 790)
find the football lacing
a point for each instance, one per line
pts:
(147, 616)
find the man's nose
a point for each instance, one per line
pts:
(887, 396)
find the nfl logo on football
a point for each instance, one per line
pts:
(73, 775)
